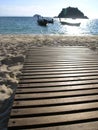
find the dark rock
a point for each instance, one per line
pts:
(71, 12)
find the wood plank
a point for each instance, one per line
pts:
(53, 119)
(56, 94)
(63, 83)
(54, 110)
(32, 76)
(56, 101)
(58, 88)
(59, 72)
(60, 66)
(58, 79)
(61, 61)
(67, 63)
(79, 126)
(59, 69)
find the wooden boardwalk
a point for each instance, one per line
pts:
(58, 90)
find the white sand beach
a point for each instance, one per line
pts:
(13, 53)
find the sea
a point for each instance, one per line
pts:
(28, 25)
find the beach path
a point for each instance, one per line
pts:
(58, 90)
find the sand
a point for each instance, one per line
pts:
(12, 55)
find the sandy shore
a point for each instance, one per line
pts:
(12, 55)
(50, 40)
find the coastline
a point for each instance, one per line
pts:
(50, 40)
(12, 56)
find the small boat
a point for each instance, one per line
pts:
(42, 22)
(71, 13)
(70, 24)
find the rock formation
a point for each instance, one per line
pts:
(71, 12)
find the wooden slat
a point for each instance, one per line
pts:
(56, 101)
(56, 60)
(65, 62)
(60, 72)
(33, 76)
(58, 79)
(53, 119)
(57, 89)
(54, 109)
(33, 69)
(59, 66)
(56, 94)
(62, 83)
(80, 126)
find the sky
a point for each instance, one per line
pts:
(46, 7)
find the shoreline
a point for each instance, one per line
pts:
(12, 56)
(45, 40)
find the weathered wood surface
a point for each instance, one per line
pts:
(58, 90)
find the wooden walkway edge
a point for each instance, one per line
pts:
(58, 90)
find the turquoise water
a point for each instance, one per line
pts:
(28, 25)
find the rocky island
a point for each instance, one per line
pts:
(72, 12)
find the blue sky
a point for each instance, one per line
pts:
(46, 7)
